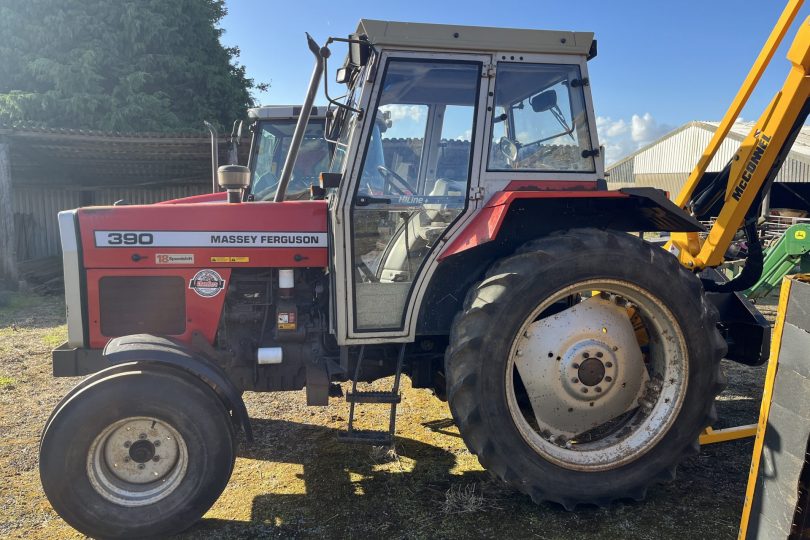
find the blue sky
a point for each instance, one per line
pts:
(660, 64)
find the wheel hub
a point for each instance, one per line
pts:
(142, 451)
(581, 367)
(588, 370)
(591, 372)
(137, 461)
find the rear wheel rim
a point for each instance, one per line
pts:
(627, 436)
(137, 461)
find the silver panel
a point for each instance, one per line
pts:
(69, 231)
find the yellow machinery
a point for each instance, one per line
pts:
(752, 169)
(734, 193)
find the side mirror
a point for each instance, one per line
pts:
(544, 101)
(359, 50)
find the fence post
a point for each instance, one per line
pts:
(8, 254)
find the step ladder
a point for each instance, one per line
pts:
(355, 396)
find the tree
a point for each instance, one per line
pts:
(127, 65)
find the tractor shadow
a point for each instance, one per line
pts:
(336, 487)
(304, 483)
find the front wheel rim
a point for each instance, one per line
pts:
(137, 461)
(637, 429)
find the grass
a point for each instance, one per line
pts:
(297, 481)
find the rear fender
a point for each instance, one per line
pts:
(146, 350)
(514, 217)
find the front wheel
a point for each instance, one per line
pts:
(137, 454)
(584, 367)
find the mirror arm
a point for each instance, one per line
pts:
(326, 79)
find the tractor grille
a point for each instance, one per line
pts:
(142, 305)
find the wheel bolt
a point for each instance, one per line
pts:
(157, 443)
(585, 355)
(126, 459)
(156, 458)
(599, 355)
(575, 365)
(127, 444)
(598, 389)
(141, 466)
(142, 436)
(608, 379)
(584, 390)
(608, 364)
(575, 380)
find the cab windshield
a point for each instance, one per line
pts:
(271, 151)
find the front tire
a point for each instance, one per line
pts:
(526, 404)
(137, 454)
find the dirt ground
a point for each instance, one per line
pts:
(296, 481)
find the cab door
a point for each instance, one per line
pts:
(415, 165)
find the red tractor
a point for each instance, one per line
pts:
(463, 235)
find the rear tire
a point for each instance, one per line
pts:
(156, 482)
(494, 318)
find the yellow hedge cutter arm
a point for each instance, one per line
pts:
(749, 175)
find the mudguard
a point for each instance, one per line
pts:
(146, 349)
(527, 211)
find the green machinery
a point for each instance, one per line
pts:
(791, 250)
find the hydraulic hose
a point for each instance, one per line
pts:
(752, 270)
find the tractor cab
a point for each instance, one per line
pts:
(436, 119)
(272, 129)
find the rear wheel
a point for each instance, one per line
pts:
(584, 367)
(137, 453)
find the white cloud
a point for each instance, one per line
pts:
(400, 112)
(621, 137)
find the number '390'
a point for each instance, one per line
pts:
(130, 239)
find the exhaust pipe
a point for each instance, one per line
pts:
(214, 155)
(303, 118)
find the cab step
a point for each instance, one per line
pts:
(373, 397)
(355, 396)
(366, 436)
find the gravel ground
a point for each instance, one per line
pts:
(295, 481)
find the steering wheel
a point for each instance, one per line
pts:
(397, 182)
(264, 185)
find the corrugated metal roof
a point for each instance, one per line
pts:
(667, 162)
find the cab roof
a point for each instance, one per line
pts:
(389, 34)
(277, 112)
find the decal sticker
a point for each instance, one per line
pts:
(183, 239)
(286, 320)
(207, 283)
(230, 259)
(800, 235)
(174, 258)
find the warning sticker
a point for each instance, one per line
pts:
(174, 258)
(286, 320)
(207, 283)
(230, 259)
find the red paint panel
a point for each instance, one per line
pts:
(202, 314)
(487, 222)
(552, 185)
(262, 217)
(205, 197)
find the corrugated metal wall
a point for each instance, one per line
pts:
(36, 207)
